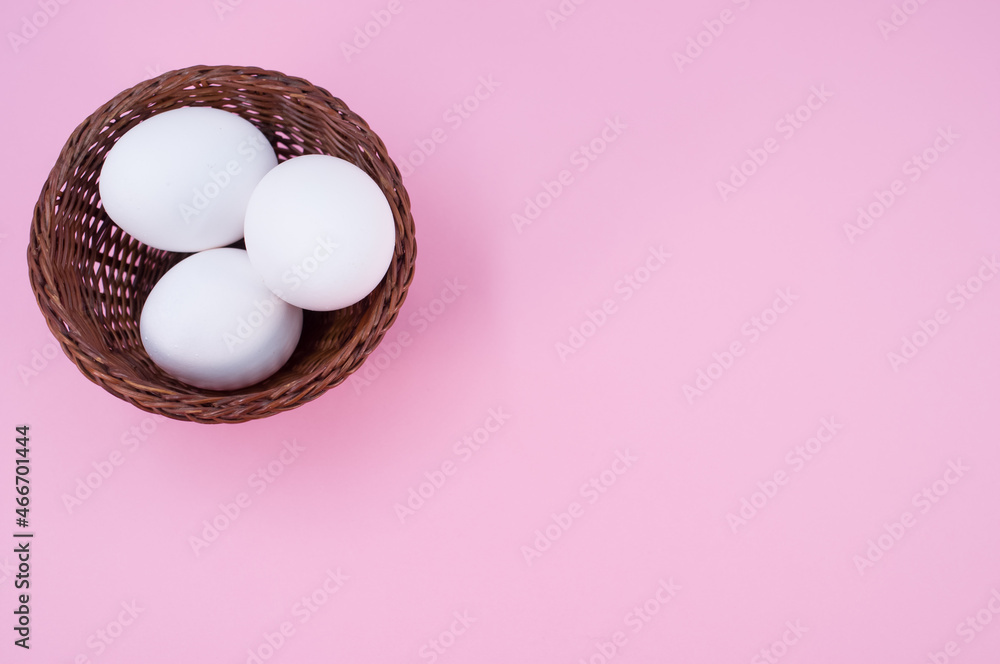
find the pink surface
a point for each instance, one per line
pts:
(592, 481)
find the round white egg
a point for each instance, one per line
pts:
(320, 232)
(210, 322)
(180, 180)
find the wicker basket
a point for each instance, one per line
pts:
(91, 278)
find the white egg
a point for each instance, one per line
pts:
(210, 322)
(181, 180)
(320, 232)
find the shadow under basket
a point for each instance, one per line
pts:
(91, 279)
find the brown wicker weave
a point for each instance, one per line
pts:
(91, 278)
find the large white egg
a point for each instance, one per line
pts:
(320, 232)
(210, 322)
(180, 180)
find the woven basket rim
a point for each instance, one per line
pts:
(204, 406)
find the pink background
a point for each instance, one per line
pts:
(798, 569)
